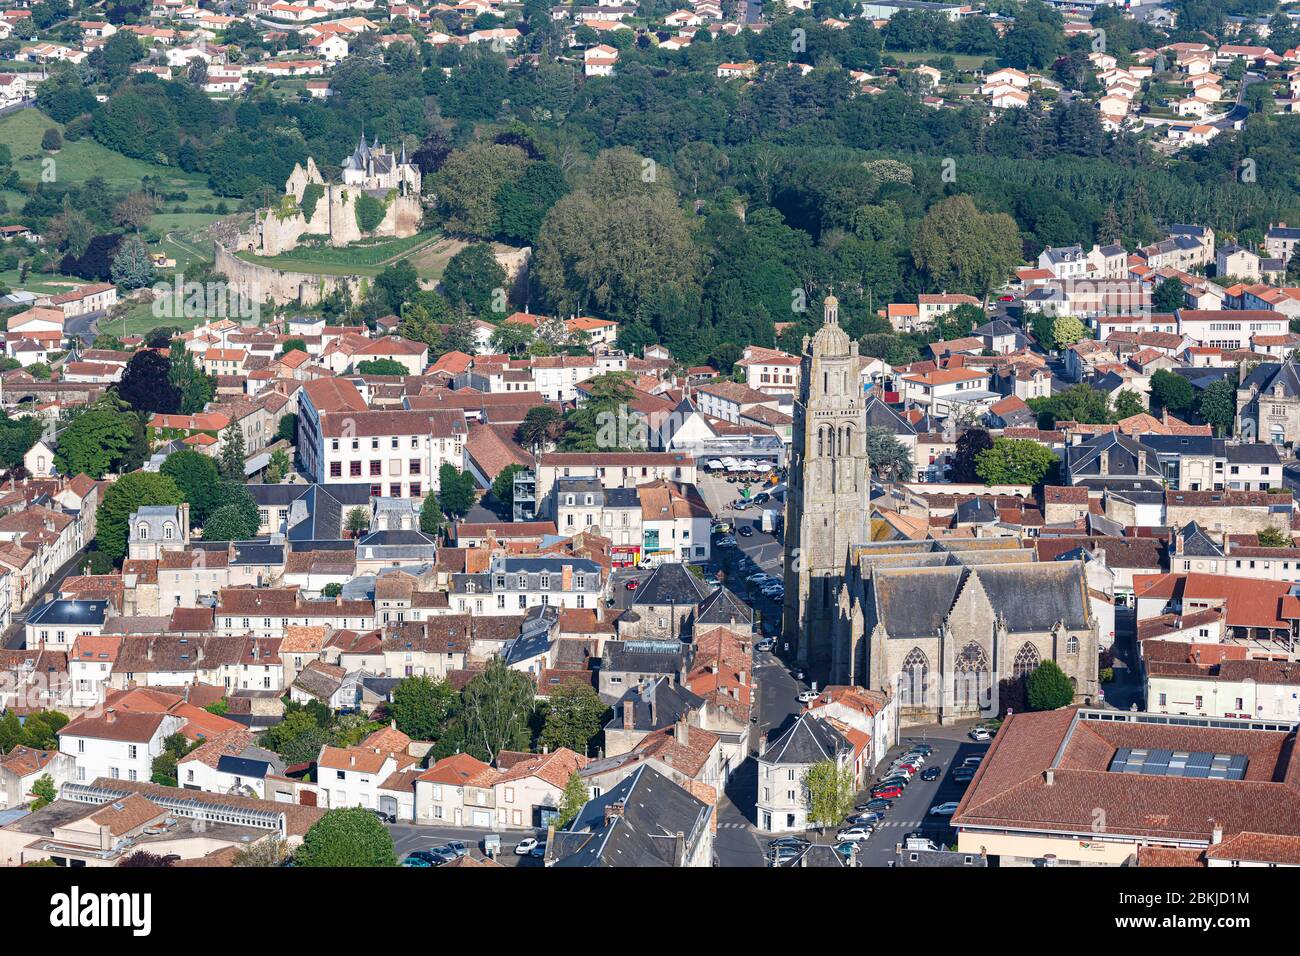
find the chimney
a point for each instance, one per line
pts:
(613, 809)
(49, 597)
(1142, 462)
(1049, 775)
(1216, 835)
(1105, 462)
(628, 722)
(352, 759)
(110, 715)
(682, 732)
(392, 724)
(679, 849)
(1227, 544)
(338, 600)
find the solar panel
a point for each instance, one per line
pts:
(1198, 764)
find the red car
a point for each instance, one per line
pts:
(887, 793)
(633, 584)
(909, 767)
(1006, 298)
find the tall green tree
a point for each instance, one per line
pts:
(1014, 461)
(830, 789)
(1048, 688)
(231, 462)
(572, 800)
(350, 836)
(1219, 406)
(1172, 392)
(573, 717)
(890, 459)
(96, 442)
(496, 706)
(124, 497)
(964, 250)
(421, 706)
(197, 477)
(455, 490)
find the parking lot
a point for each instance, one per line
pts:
(410, 836)
(910, 812)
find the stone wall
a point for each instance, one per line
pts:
(261, 283)
(1239, 520)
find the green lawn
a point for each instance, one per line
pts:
(961, 61)
(85, 159)
(362, 259)
(38, 282)
(142, 318)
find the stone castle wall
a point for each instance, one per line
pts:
(261, 283)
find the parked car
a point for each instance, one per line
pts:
(888, 793)
(869, 816)
(924, 749)
(854, 834)
(879, 804)
(525, 846)
(944, 809)
(538, 851)
(980, 734)
(632, 584)
(797, 673)
(759, 577)
(384, 816)
(415, 861)
(973, 761)
(808, 696)
(442, 854)
(721, 528)
(788, 841)
(931, 773)
(456, 847)
(746, 531)
(765, 645)
(846, 849)
(784, 854)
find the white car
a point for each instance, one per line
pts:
(854, 834)
(944, 809)
(773, 591)
(759, 577)
(808, 696)
(524, 847)
(980, 734)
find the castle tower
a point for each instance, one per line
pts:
(828, 501)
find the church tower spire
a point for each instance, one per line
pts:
(828, 501)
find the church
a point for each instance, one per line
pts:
(953, 626)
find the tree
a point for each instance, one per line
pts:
(51, 141)
(455, 490)
(538, 428)
(135, 210)
(227, 523)
(268, 851)
(236, 495)
(293, 345)
(503, 488)
(1078, 403)
(421, 706)
(972, 443)
(278, 467)
(496, 706)
(963, 249)
(41, 730)
(95, 442)
(298, 738)
(1066, 330)
(1172, 392)
(831, 792)
(469, 182)
(196, 476)
(124, 497)
(474, 279)
(572, 800)
(432, 520)
(889, 457)
(395, 286)
(44, 791)
(1168, 295)
(147, 386)
(573, 717)
(358, 521)
(1014, 461)
(231, 462)
(11, 732)
(332, 590)
(288, 429)
(524, 203)
(1272, 538)
(1219, 406)
(1047, 687)
(384, 366)
(132, 268)
(163, 769)
(351, 836)
(1127, 404)
(143, 859)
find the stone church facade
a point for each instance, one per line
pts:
(951, 627)
(371, 170)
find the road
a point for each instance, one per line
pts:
(14, 636)
(83, 327)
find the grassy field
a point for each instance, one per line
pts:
(368, 259)
(143, 317)
(962, 61)
(86, 159)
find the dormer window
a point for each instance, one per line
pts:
(143, 530)
(169, 531)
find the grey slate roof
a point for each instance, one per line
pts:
(653, 811)
(808, 740)
(722, 607)
(1198, 544)
(671, 583)
(881, 415)
(656, 705)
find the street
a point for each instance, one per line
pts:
(14, 636)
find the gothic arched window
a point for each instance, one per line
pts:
(1026, 661)
(821, 442)
(915, 677)
(971, 680)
